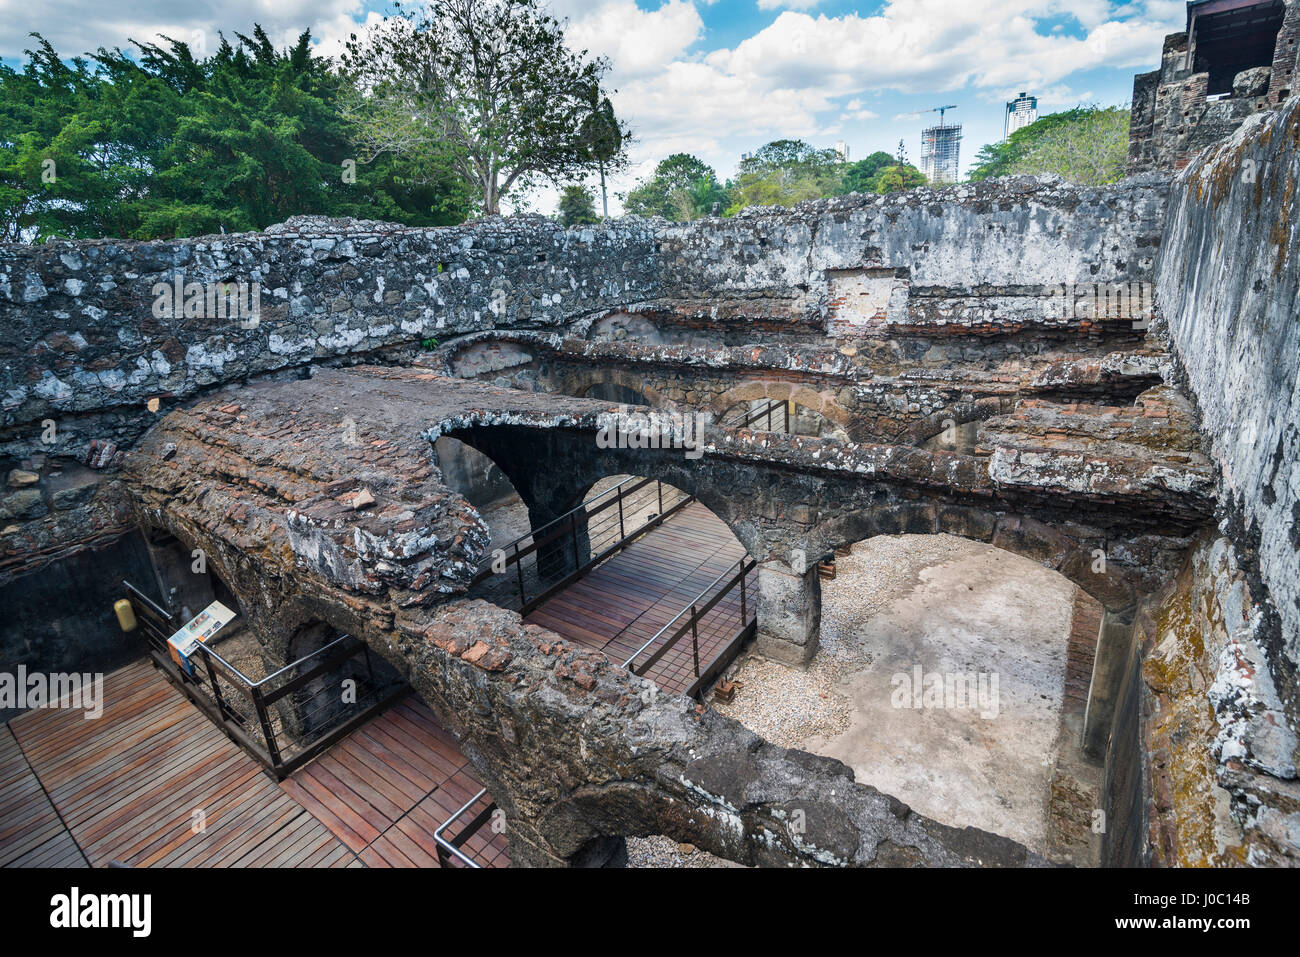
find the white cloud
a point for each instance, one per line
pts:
(638, 42)
(78, 26)
(788, 4)
(804, 74)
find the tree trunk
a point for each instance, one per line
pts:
(604, 199)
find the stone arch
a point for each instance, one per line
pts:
(925, 431)
(1085, 562)
(487, 357)
(823, 403)
(1110, 581)
(623, 388)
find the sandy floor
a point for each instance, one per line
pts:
(951, 607)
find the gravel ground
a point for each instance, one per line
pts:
(789, 705)
(664, 852)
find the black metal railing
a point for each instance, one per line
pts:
(709, 620)
(287, 716)
(532, 568)
(764, 417)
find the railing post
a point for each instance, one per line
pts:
(744, 616)
(695, 638)
(519, 567)
(216, 687)
(621, 533)
(660, 486)
(272, 748)
(573, 532)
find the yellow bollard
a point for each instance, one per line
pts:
(125, 614)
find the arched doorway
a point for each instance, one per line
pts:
(782, 416)
(639, 570)
(616, 392)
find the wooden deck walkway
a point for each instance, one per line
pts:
(153, 783)
(622, 603)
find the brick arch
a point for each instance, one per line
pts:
(823, 403)
(1117, 587)
(486, 356)
(960, 413)
(625, 380)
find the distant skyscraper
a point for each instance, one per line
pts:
(939, 152)
(1021, 111)
(843, 149)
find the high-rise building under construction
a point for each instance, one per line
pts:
(940, 146)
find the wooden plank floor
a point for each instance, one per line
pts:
(385, 789)
(623, 602)
(31, 833)
(128, 787)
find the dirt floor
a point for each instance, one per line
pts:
(949, 607)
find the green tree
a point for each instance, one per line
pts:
(785, 172)
(577, 206)
(1087, 145)
(605, 141)
(683, 187)
(900, 175)
(489, 86)
(858, 176)
(162, 144)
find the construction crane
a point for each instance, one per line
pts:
(934, 109)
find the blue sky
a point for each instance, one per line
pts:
(721, 78)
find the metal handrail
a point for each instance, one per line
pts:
(688, 606)
(578, 508)
(157, 610)
(452, 848)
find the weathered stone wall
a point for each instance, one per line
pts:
(78, 330)
(1228, 279)
(86, 366)
(1220, 673)
(980, 257)
(1220, 754)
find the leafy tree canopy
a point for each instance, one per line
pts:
(683, 187)
(858, 176)
(784, 172)
(165, 144)
(577, 206)
(488, 86)
(1087, 145)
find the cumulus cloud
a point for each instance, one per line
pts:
(788, 4)
(638, 42)
(79, 26)
(804, 73)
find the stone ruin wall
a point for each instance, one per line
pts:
(82, 348)
(1172, 119)
(84, 353)
(1223, 786)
